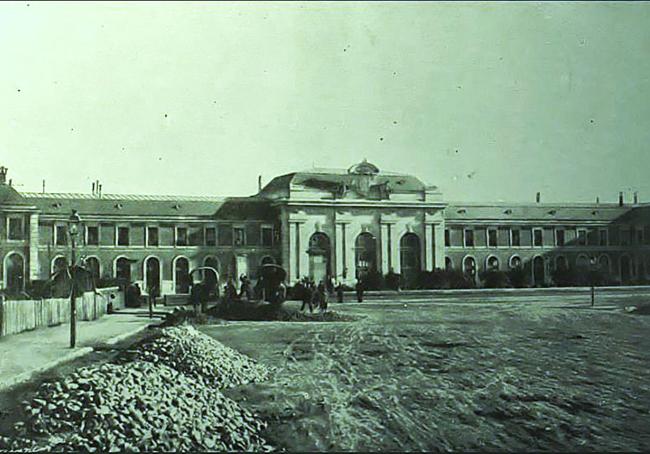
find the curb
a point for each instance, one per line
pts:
(77, 353)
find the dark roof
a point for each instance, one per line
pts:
(458, 212)
(333, 180)
(154, 206)
(9, 196)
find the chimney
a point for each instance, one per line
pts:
(259, 183)
(636, 198)
(620, 199)
(10, 181)
(99, 189)
(3, 175)
(43, 186)
(597, 200)
(93, 191)
(538, 197)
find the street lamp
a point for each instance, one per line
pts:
(73, 230)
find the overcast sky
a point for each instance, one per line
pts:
(492, 101)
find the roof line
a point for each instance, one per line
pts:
(85, 196)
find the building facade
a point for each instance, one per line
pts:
(318, 223)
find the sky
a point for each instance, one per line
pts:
(488, 101)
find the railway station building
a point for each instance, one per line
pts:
(341, 223)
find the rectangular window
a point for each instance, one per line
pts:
(123, 236)
(492, 238)
(267, 236)
(559, 237)
(469, 238)
(582, 237)
(210, 236)
(152, 236)
(515, 237)
(239, 236)
(538, 238)
(447, 238)
(16, 230)
(602, 238)
(181, 236)
(61, 235)
(92, 235)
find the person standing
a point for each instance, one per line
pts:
(307, 296)
(359, 289)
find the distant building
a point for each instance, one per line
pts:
(338, 223)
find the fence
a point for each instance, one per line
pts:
(17, 316)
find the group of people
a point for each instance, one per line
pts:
(312, 295)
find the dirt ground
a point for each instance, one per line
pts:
(551, 374)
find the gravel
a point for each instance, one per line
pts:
(199, 356)
(167, 399)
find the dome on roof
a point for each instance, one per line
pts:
(364, 168)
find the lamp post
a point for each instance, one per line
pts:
(73, 229)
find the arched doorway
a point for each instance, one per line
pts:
(409, 248)
(469, 268)
(152, 275)
(14, 278)
(209, 278)
(538, 271)
(515, 262)
(626, 269)
(181, 275)
(365, 248)
(449, 265)
(319, 257)
(92, 264)
(123, 270)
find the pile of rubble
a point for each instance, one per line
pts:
(170, 402)
(199, 356)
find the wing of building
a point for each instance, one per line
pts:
(322, 223)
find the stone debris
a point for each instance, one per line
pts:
(169, 402)
(199, 356)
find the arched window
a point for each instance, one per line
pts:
(123, 269)
(59, 263)
(582, 262)
(182, 275)
(469, 266)
(604, 263)
(515, 261)
(152, 270)
(14, 275)
(492, 263)
(93, 266)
